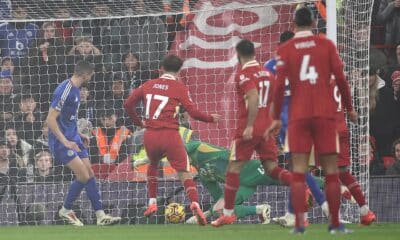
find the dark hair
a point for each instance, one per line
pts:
(4, 59)
(245, 48)
(395, 143)
(285, 36)
(125, 55)
(303, 17)
(83, 67)
(172, 63)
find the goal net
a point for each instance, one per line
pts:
(126, 40)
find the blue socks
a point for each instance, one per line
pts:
(92, 193)
(74, 191)
(315, 190)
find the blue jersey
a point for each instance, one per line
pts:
(270, 66)
(15, 42)
(66, 100)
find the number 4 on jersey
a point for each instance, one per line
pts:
(308, 72)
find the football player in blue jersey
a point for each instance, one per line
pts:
(69, 147)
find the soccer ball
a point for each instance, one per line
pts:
(175, 213)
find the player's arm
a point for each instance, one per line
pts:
(344, 89)
(55, 129)
(131, 103)
(190, 107)
(278, 97)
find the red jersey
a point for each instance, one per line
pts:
(308, 61)
(253, 76)
(162, 98)
(341, 125)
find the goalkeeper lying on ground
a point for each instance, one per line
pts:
(211, 162)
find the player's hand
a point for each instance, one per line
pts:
(397, 3)
(273, 130)
(216, 117)
(353, 116)
(72, 145)
(248, 133)
(85, 139)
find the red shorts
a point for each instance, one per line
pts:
(344, 154)
(320, 132)
(243, 150)
(168, 143)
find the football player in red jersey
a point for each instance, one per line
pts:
(161, 98)
(255, 87)
(347, 179)
(308, 61)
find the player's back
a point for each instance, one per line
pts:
(339, 115)
(264, 82)
(161, 100)
(307, 61)
(66, 100)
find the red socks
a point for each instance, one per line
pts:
(231, 186)
(351, 183)
(298, 190)
(152, 180)
(191, 190)
(282, 175)
(332, 191)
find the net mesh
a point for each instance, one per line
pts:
(41, 41)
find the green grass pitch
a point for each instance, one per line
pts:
(178, 232)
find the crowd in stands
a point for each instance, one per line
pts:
(37, 56)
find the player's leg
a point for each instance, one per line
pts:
(300, 143)
(179, 160)
(240, 152)
(327, 145)
(268, 155)
(93, 193)
(75, 189)
(367, 216)
(154, 149)
(243, 194)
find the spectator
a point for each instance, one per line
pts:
(86, 109)
(84, 50)
(6, 97)
(384, 114)
(44, 171)
(17, 37)
(46, 65)
(110, 144)
(146, 36)
(8, 65)
(106, 32)
(10, 173)
(42, 142)
(117, 97)
(133, 75)
(389, 15)
(396, 85)
(28, 117)
(19, 147)
(64, 28)
(395, 168)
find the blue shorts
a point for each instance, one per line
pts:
(64, 155)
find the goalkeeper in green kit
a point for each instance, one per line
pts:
(211, 162)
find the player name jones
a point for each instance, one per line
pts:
(161, 86)
(308, 44)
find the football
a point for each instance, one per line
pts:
(175, 213)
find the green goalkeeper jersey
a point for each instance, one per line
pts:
(212, 161)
